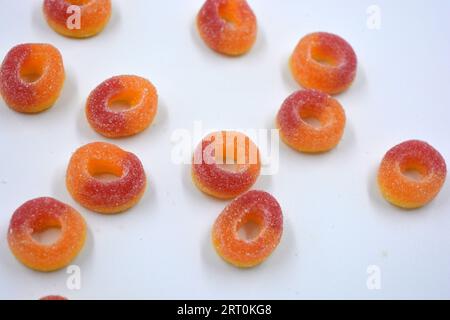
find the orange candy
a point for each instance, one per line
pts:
(53, 298)
(303, 105)
(411, 156)
(31, 77)
(325, 62)
(93, 16)
(92, 161)
(227, 26)
(256, 207)
(136, 92)
(36, 216)
(225, 164)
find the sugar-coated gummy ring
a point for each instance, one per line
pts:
(31, 77)
(105, 196)
(297, 133)
(255, 207)
(325, 62)
(53, 298)
(77, 18)
(227, 26)
(404, 191)
(136, 92)
(225, 164)
(36, 216)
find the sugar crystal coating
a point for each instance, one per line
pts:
(112, 196)
(222, 148)
(296, 132)
(53, 298)
(254, 206)
(325, 62)
(227, 26)
(31, 77)
(404, 191)
(38, 215)
(94, 16)
(138, 92)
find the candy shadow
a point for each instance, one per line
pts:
(38, 19)
(85, 131)
(148, 201)
(84, 258)
(359, 85)
(58, 187)
(263, 183)
(259, 47)
(288, 78)
(68, 95)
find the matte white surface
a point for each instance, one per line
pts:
(336, 223)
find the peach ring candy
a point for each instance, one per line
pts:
(50, 298)
(36, 216)
(104, 178)
(311, 121)
(122, 106)
(411, 174)
(77, 18)
(225, 164)
(256, 212)
(31, 77)
(325, 62)
(227, 26)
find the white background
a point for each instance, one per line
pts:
(336, 223)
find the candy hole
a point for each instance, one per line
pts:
(413, 170)
(313, 122)
(413, 174)
(47, 232)
(104, 170)
(324, 56)
(249, 231)
(312, 117)
(47, 236)
(31, 71)
(119, 105)
(250, 227)
(125, 100)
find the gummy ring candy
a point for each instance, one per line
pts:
(227, 26)
(77, 18)
(92, 161)
(225, 164)
(53, 298)
(406, 191)
(135, 92)
(31, 77)
(325, 62)
(255, 207)
(298, 133)
(36, 216)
